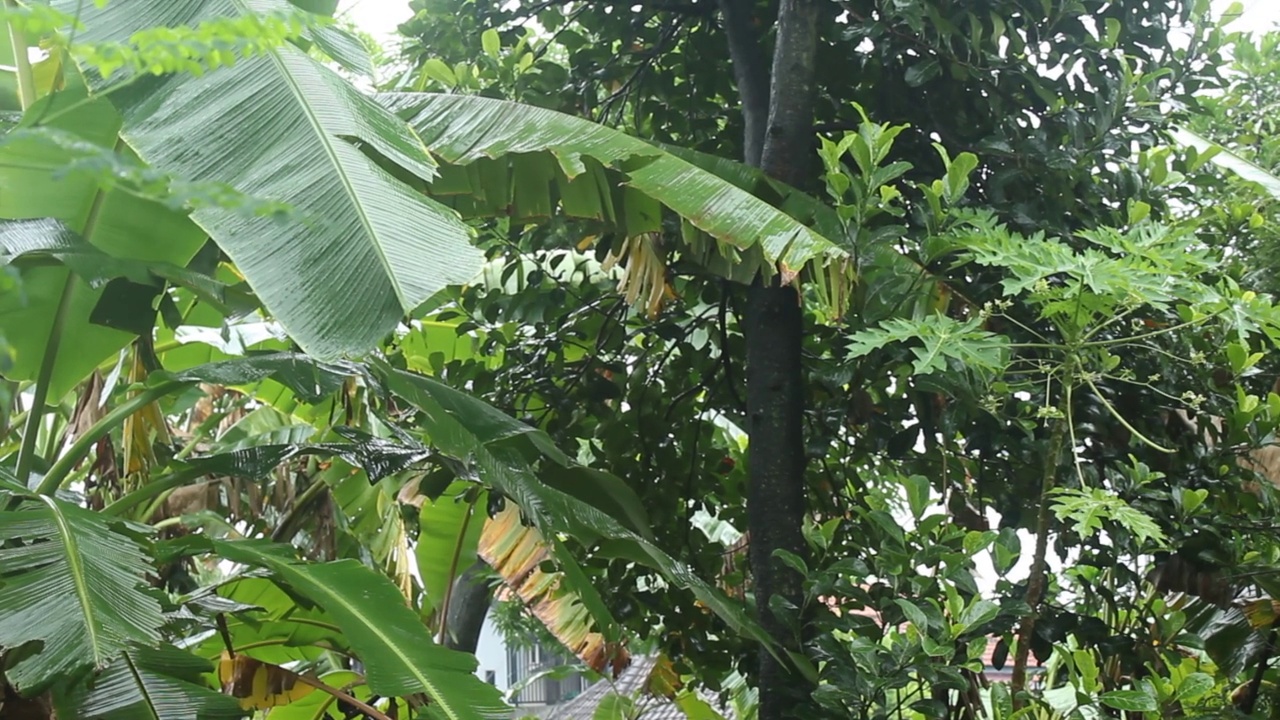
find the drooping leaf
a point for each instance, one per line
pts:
(323, 706)
(1228, 160)
(259, 685)
(550, 510)
(362, 248)
(398, 653)
(559, 599)
(465, 129)
(308, 379)
(47, 238)
(74, 587)
(162, 683)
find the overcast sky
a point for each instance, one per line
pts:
(380, 17)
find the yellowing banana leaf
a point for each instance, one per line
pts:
(258, 685)
(517, 552)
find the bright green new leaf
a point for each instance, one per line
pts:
(448, 533)
(1088, 509)
(74, 585)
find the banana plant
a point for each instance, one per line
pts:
(194, 162)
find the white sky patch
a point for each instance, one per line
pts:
(379, 18)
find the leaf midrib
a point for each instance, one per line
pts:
(376, 630)
(77, 576)
(327, 142)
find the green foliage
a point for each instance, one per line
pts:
(71, 591)
(940, 339)
(1089, 511)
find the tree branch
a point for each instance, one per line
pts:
(750, 72)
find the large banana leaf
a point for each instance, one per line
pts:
(398, 653)
(47, 240)
(34, 184)
(549, 159)
(73, 586)
(162, 683)
(361, 249)
(550, 510)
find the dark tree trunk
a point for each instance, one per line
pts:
(468, 605)
(782, 144)
(751, 73)
(776, 497)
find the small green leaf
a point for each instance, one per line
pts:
(1008, 548)
(1193, 499)
(914, 614)
(1129, 701)
(1087, 668)
(1113, 32)
(491, 43)
(917, 494)
(437, 70)
(978, 613)
(1194, 686)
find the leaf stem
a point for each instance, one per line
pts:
(80, 448)
(1120, 418)
(285, 531)
(27, 453)
(152, 489)
(1138, 338)
(453, 573)
(22, 61)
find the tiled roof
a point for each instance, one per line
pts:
(629, 684)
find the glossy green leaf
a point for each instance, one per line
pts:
(1129, 701)
(34, 184)
(74, 585)
(398, 653)
(162, 683)
(448, 533)
(362, 248)
(463, 129)
(456, 432)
